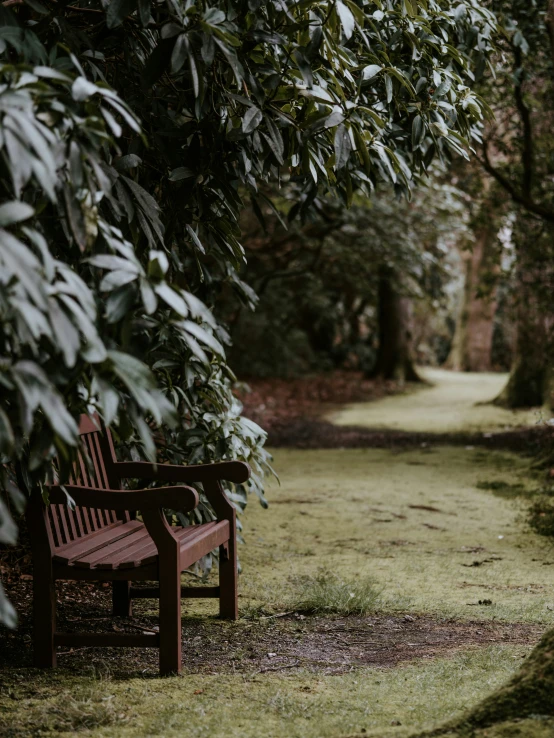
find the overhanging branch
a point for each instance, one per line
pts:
(521, 198)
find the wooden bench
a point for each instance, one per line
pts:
(101, 539)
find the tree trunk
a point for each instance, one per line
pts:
(472, 345)
(529, 384)
(529, 377)
(529, 696)
(394, 355)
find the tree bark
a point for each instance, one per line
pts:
(529, 384)
(394, 355)
(472, 345)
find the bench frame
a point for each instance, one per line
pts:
(172, 558)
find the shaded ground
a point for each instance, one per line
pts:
(297, 704)
(345, 410)
(272, 402)
(293, 641)
(314, 433)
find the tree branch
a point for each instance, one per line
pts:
(528, 154)
(518, 197)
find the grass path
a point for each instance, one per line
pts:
(453, 402)
(424, 524)
(437, 534)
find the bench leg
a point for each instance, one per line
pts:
(44, 616)
(228, 578)
(170, 618)
(122, 604)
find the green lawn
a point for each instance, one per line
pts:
(410, 524)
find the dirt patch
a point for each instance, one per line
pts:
(326, 645)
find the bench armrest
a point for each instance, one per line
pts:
(176, 498)
(231, 471)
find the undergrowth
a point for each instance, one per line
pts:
(541, 515)
(328, 593)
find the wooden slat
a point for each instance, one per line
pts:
(196, 540)
(148, 553)
(71, 517)
(53, 515)
(101, 465)
(89, 424)
(142, 574)
(92, 518)
(86, 520)
(143, 552)
(84, 481)
(110, 551)
(79, 523)
(93, 542)
(63, 521)
(146, 640)
(193, 550)
(100, 517)
(89, 463)
(190, 532)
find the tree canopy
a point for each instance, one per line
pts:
(131, 135)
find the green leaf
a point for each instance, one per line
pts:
(343, 146)
(418, 131)
(252, 119)
(125, 163)
(7, 437)
(346, 18)
(117, 11)
(179, 53)
(82, 89)
(158, 62)
(14, 212)
(144, 11)
(172, 298)
(202, 335)
(181, 173)
(75, 217)
(370, 71)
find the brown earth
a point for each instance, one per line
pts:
(327, 645)
(275, 402)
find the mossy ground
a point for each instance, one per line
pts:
(302, 704)
(417, 522)
(429, 530)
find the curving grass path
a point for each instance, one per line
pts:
(452, 402)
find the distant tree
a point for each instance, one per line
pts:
(338, 290)
(517, 152)
(472, 344)
(130, 133)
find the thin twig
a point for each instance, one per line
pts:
(278, 615)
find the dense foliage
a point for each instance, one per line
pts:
(318, 283)
(131, 132)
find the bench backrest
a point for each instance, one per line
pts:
(91, 470)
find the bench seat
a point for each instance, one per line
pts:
(128, 545)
